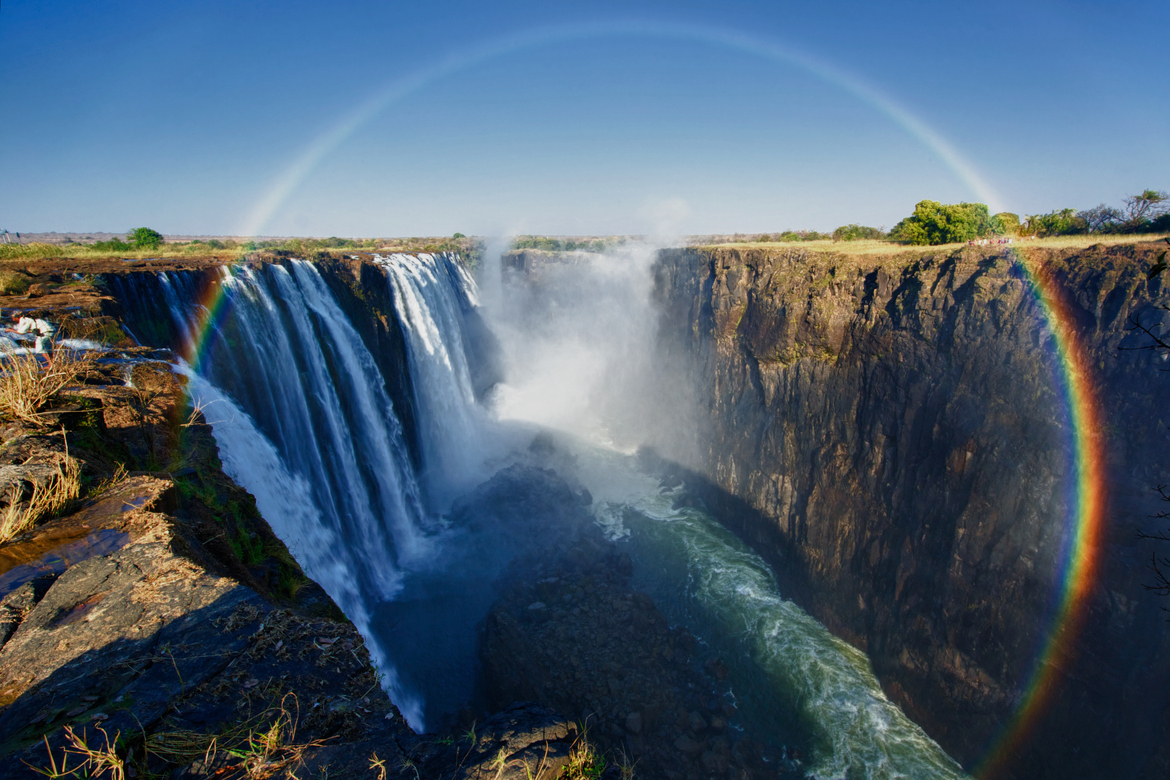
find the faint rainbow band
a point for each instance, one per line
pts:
(311, 156)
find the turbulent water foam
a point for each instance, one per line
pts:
(790, 668)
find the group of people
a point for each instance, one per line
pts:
(986, 241)
(43, 329)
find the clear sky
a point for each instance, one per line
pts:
(411, 119)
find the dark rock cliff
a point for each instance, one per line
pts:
(892, 432)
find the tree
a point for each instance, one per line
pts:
(1101, 219)
(1008, 222)
(935, 223)
(1065, 222)
(145, 238)
(1142, 209)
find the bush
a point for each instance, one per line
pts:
(855, 232)
(113, 245)
(13, 283)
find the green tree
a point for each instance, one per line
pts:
(144, 238)
(935, 223)
(1065, 222)
(1009, 223)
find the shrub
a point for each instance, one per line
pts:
(13, 283)
(855, 232)
(113, 245)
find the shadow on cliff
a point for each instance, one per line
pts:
(231, 666)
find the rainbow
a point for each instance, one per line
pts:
(294, 174)
(213, 301)
(1085, 521)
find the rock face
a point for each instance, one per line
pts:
(892, 432)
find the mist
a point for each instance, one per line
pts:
(578, 334)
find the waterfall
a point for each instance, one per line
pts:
(304, 423)
(432, 296)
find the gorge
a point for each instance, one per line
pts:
(896, 442)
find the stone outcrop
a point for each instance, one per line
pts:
(892, 432)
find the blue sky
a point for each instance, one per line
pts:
(412, 119)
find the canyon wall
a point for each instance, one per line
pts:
(892, 432)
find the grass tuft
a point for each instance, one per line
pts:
(49, 500)
(96, 762)
(585, 761)
(27, 386)
(260, 751)
(13, 282)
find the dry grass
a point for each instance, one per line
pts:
(13, 283)
(14, 253)
(261, 751)
(95, 762)
(49, 500)
(27, 386)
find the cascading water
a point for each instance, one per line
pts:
(432, 295)
(304, 422)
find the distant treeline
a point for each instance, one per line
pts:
(565, 244)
